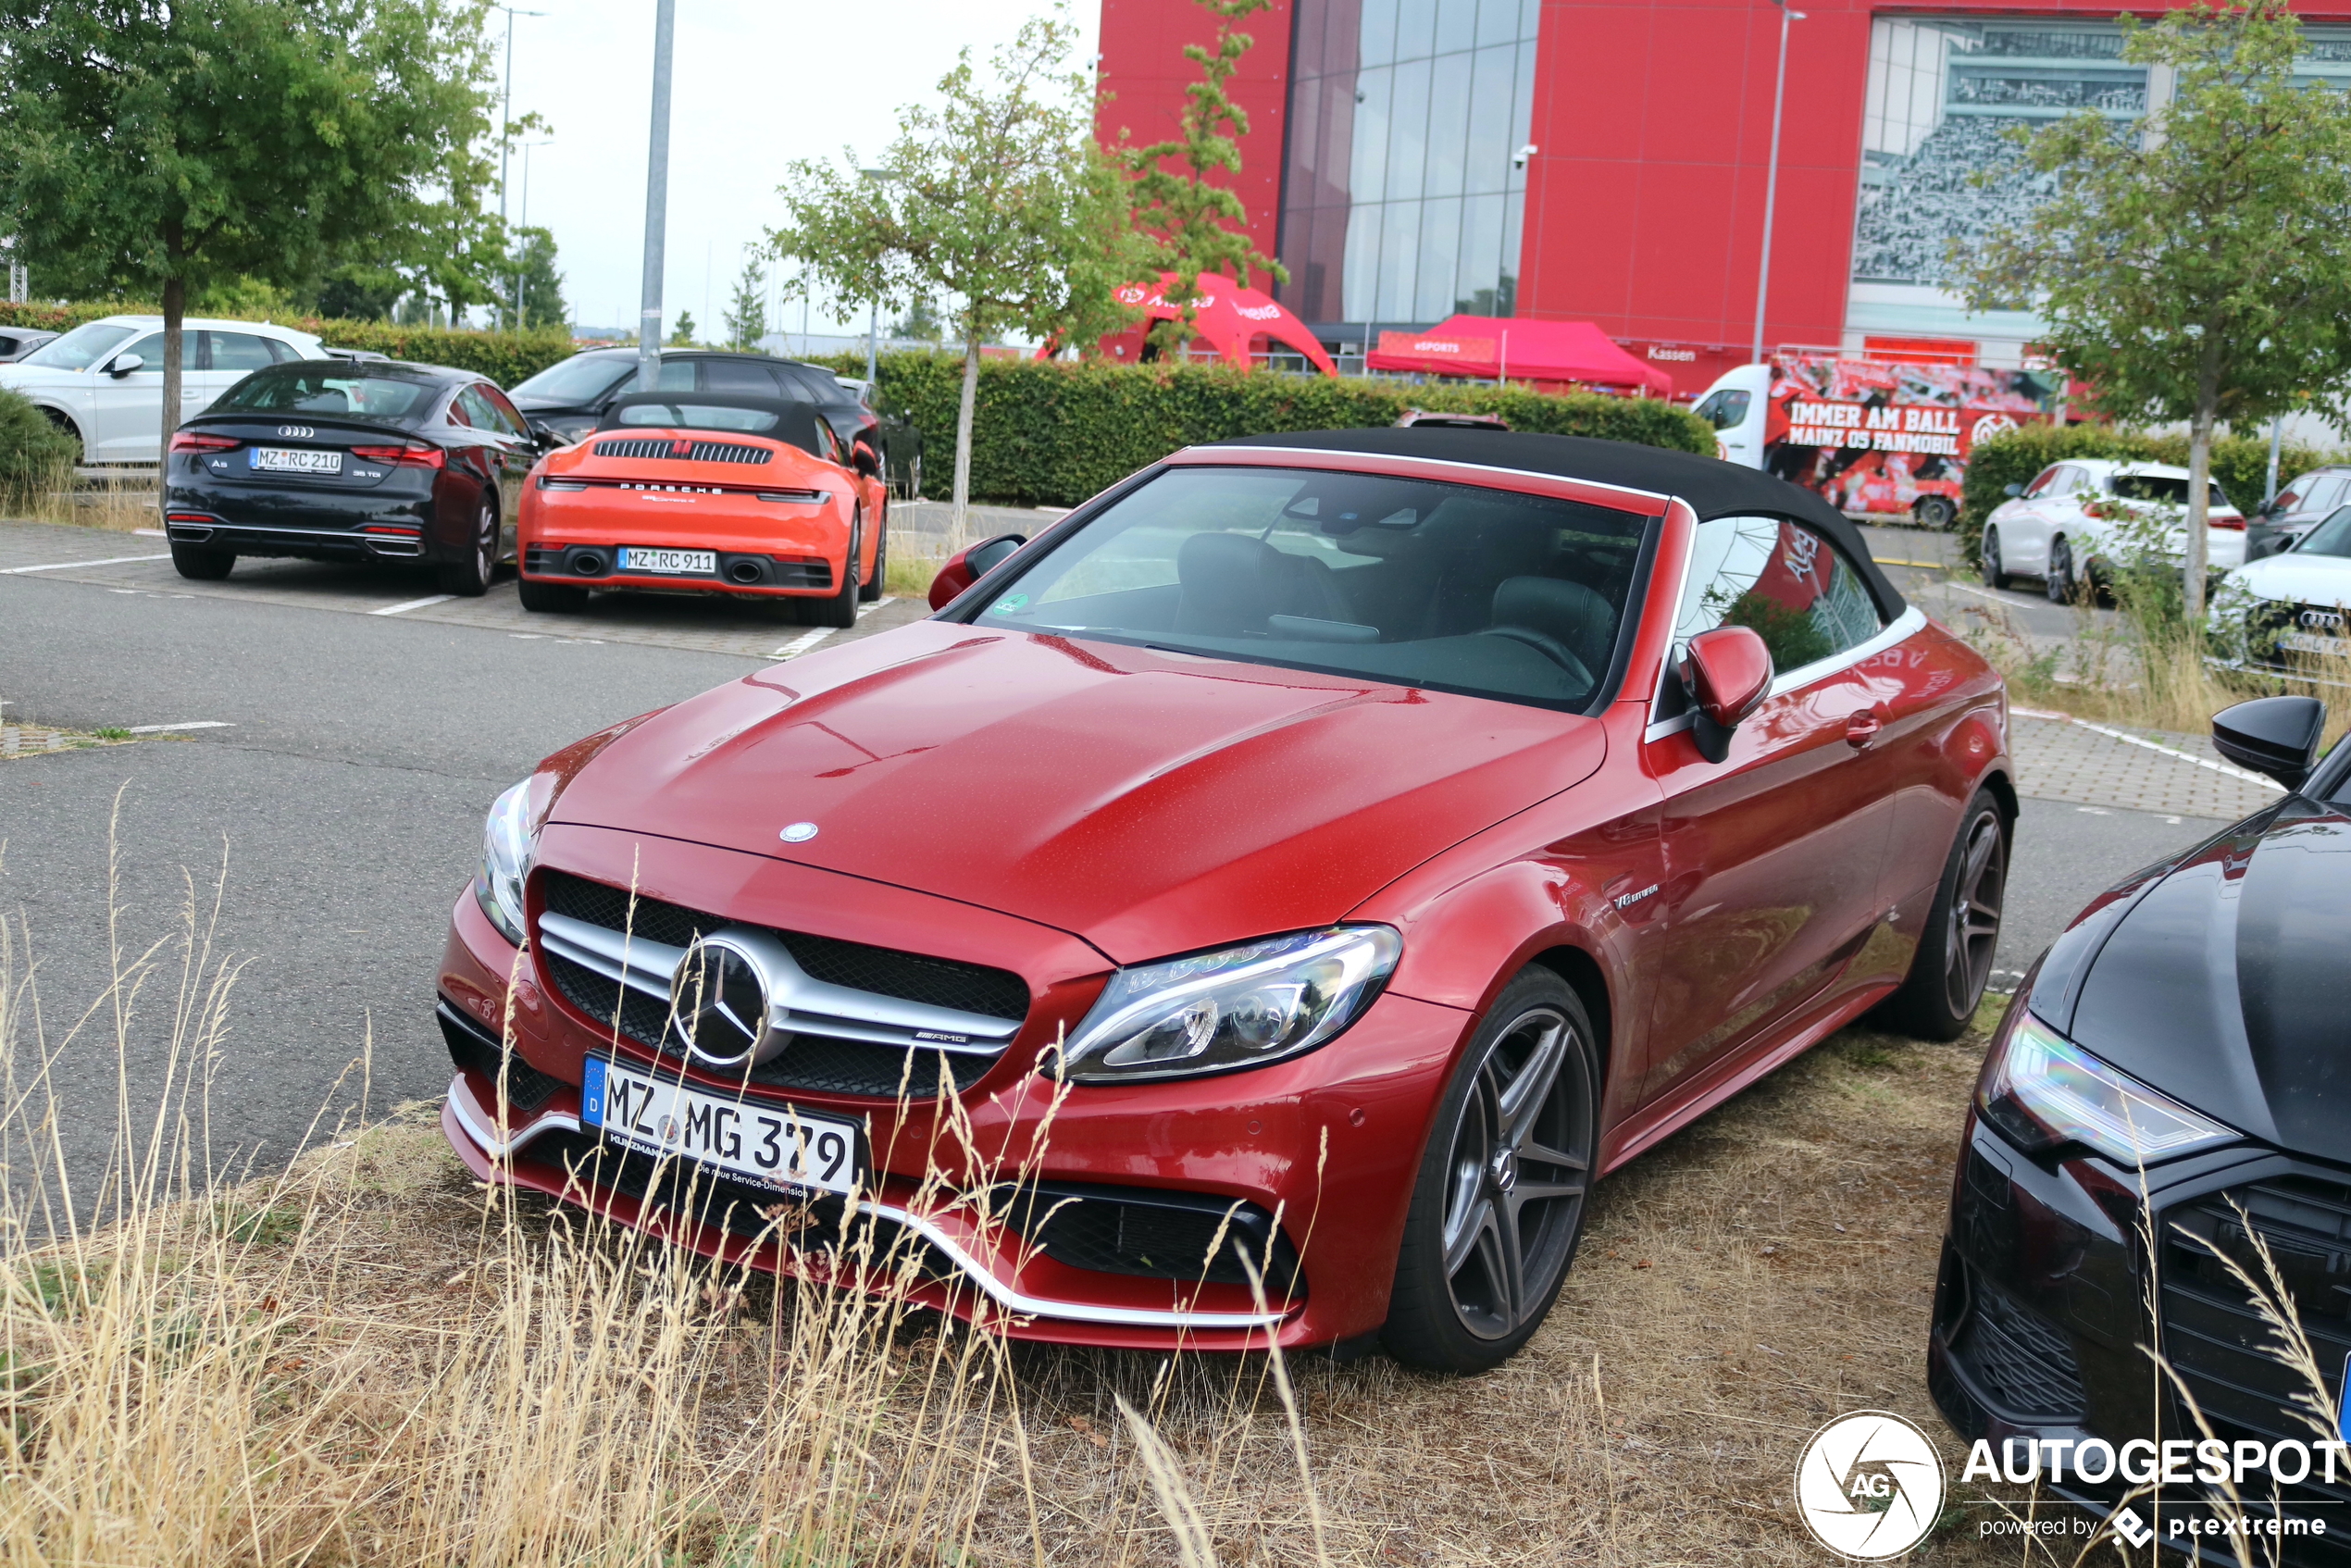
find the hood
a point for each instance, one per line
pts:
(2297, 579)
(2223, 985)
(1150, 802)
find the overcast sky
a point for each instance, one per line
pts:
(758, 84)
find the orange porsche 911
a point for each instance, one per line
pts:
(706, 493)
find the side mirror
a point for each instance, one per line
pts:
(127, 364)
(861, 459)
(967, 566)
(2275, 735)
(1727, 673)
(2013, 491)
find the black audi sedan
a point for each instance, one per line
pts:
(2167, 1099)
(566, 399)
(331, 460)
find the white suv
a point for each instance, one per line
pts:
(103, 382)
(2060, 527)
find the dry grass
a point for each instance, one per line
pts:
(115, 504)
(370, 1359)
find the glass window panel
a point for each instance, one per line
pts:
(1790, 584)
(1481, 255)
(1448, 116)
(1415, 29)
(1497, 22)
(1487, 163)
(1400, 247)
(1408, 131)
(1374, 102)
(1378, 47)
(1529, 14)
(1440, 255)
(1456, 25)
(239, 351)
(1360, 293)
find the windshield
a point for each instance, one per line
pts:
(698, 417)
(583, 377)
(81, 348)
(2329, 538)
(1449, 587)
(2157, 487)
(1726, 409)
(330, 388)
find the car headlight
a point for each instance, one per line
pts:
(1240, 1007)
(2043, 1092)
(508, 844)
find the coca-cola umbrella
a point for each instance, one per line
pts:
(1519, 349)
(1238, 322)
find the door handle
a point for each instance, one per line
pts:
(1863, 728)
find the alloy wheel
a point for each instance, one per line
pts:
(1975, 916)
(486, 542)
(2060, 581)
(1517, 1173)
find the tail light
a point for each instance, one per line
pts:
(2098, 509)
(415, 454)
(2232, 521)
(189, 440)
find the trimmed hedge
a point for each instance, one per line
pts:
(504, 357)
(2240, 462)
(1054, 432)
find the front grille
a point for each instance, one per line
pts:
(696, 452)
(810, 1061)
(2019, 1360)
(1155, 1234)
(2214, 1338)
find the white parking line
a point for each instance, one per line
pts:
(802, 643)
(2153, 746)
(413, 604)
(69, 566)
(869, 609)
(176, 728)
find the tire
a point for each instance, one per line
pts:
(1953, 965)
(1460, 1302)
(200, 564)
(552, 598)
(2059, 580)
(65, 428)
(871, 590)
(469, 577)
(1995, 574)
(1936, 512)
(839, 609)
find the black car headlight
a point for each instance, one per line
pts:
(1239, 1007)
(2045, 1093)
(508, 844)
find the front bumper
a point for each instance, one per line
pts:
(1326, 1147)
(2042, 1330)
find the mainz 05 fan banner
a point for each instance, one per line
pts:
(1877, 438)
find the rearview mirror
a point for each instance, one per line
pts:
(861, 459)
(1727, 673)
(2014, 491)
(127, 364)
(2277, 737)
(967, 566)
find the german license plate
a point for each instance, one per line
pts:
(633, 559)
(2311, 642)
(776, 1147)
(294, 460)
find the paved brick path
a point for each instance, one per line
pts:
(2112, 766)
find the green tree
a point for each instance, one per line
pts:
(921, 321)
(355, 292)
(682, 334)
(998, 199)
(543, 285)
(2195, 266)
(1194, 225)
(168, 144)
(746, 314)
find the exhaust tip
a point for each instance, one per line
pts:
(745, 571)
(588, 564)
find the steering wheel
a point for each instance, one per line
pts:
(1549, 647)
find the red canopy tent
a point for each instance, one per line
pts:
(1518, 348)
(1239, 323)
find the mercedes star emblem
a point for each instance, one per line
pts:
(718, 1004)
(798, 832)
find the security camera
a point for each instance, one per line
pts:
(1518, 160)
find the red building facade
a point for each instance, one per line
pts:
(1640, 205)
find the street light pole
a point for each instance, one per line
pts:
(507, 126)
(656, 202)
(1772, 175)
(873, 312)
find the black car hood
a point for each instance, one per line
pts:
(2226, 982)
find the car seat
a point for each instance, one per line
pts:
(1229, 583)
(1556, 616)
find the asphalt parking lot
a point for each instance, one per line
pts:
(358, 728)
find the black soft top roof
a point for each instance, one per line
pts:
(1712, 488)
(795, 420)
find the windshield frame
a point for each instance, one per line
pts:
(129, 332)
(2338, 519)
(1648, 511)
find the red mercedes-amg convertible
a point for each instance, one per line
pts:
(1259, 908)
(707, 492)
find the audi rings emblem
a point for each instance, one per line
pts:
(718, 1001)
(2322, 620)
(296, 432)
